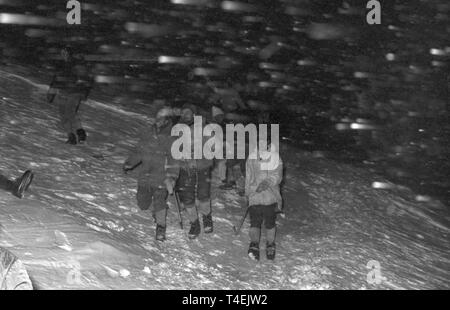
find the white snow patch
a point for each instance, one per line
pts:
(111, 272)
(104, 106)
(84, 196)
(216, 253)
(96, 228)
(65, 196)
(124, 273)
(147, 270)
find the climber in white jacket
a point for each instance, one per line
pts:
(264, 173)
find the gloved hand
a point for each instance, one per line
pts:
(280, 210)
(127, 167)
(264, 185)
(170, 185)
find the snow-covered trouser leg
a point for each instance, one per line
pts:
(70, 120)
(256, 220)
(204, 198)
(148, 196)
(76, 124)
(239, 177)
(192, 213)
(205, 209)
(194, 184)
(222, 169)
(159, 205)
(270, 235)
(270, 217)
(186, 192)
(66, 112)
(230, 174)
(204, 190)
(194, 230)
(186, 187)
(254, 234)
(144, 196)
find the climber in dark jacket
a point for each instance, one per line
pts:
(151, 160)
(69, 88)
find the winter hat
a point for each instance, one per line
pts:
(269, 158)
(164, 112)
(189, 106)
(67, 52)
(216, 111)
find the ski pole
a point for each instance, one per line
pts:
(78, 106)
(177, 201)
(132, 168)
(50, 95)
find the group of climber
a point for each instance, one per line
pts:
(160, 175)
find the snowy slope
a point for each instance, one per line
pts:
(79, 226)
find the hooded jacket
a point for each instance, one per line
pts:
(259, 170)
(152, 158)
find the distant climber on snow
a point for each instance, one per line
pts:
(69, 89)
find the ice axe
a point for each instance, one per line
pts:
(237, 230)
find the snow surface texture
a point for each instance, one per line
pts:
(79, 227)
